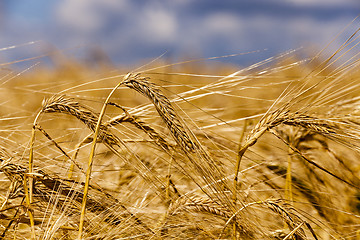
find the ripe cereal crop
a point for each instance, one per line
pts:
(183, 150)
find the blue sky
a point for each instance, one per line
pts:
(129, 31)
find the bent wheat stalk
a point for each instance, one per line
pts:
(91, 156)
(29, 190)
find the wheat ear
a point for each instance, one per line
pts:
(197, 204)
(163, 107)
(64, 105)
(323, 127)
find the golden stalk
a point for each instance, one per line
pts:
(91, 157)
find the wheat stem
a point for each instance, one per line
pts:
(29, 191)
(30, 210)
(241, 152)
(293, 231)
(288, 182)
(74, 156)
(168, 180)
(91, 157)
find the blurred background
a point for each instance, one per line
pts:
(123, 32)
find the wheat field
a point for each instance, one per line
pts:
(189, 150)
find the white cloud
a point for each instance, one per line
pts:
(153, 23)
(78, 15)
(223, 23)
(159, 25)
(87, 16)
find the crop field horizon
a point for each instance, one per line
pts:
(190, 150)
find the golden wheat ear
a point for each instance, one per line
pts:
(163, 107)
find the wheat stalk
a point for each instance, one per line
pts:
(97, 130)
